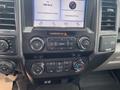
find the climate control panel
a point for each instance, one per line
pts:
(53, 67)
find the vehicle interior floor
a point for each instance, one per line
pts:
(102, 80)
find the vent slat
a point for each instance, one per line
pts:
(7, 14)
(7, 24)
(11, 1)
(108, 15)
(7, 19)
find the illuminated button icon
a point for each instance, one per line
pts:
(72, 5)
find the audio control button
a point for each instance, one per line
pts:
(36, 44)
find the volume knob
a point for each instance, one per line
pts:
(72, 5)
(4, 45)
(84, 43)
(36, 44)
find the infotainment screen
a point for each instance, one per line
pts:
(59, 13)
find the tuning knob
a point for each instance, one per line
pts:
(36, 44)
(7, 67)
(78, 66)
(37, 68)
(72, 5)
(4, 46)
(83, 43)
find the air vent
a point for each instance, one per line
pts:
(109, 12)
(7, 15)
(118, 36)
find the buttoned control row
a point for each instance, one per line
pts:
(40, 68)
(67, 43)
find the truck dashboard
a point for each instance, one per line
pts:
(54, 41)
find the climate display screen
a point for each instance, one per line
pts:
(59, 13)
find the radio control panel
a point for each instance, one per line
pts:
(39, 41)
(61, 43)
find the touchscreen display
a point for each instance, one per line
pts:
(59, 13)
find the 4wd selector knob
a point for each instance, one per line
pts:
(36, 44)
(37, 68)
(4, 45)
(83, 43)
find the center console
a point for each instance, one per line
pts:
(56, 39)
(63, 38)
(48, 39)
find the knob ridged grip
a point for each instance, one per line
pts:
(4, 46)
(7, 67)
(36, 44)
(84, 43)
(72, 5)
(37, 68)
(78, 66)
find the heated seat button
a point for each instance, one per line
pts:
(59, 67)
(67, 66)
(50, 67)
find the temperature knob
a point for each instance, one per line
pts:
(37, 68)
(4, 46)
(36, 44)
(78, 66)
(84, 43)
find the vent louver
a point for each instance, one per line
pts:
(7, 14)
(109, 12)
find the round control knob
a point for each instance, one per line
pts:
(37, 68)
(83, 43)
(72, 5)
(7, 67)
(78, 66)
(4, 46)
(36, 44)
